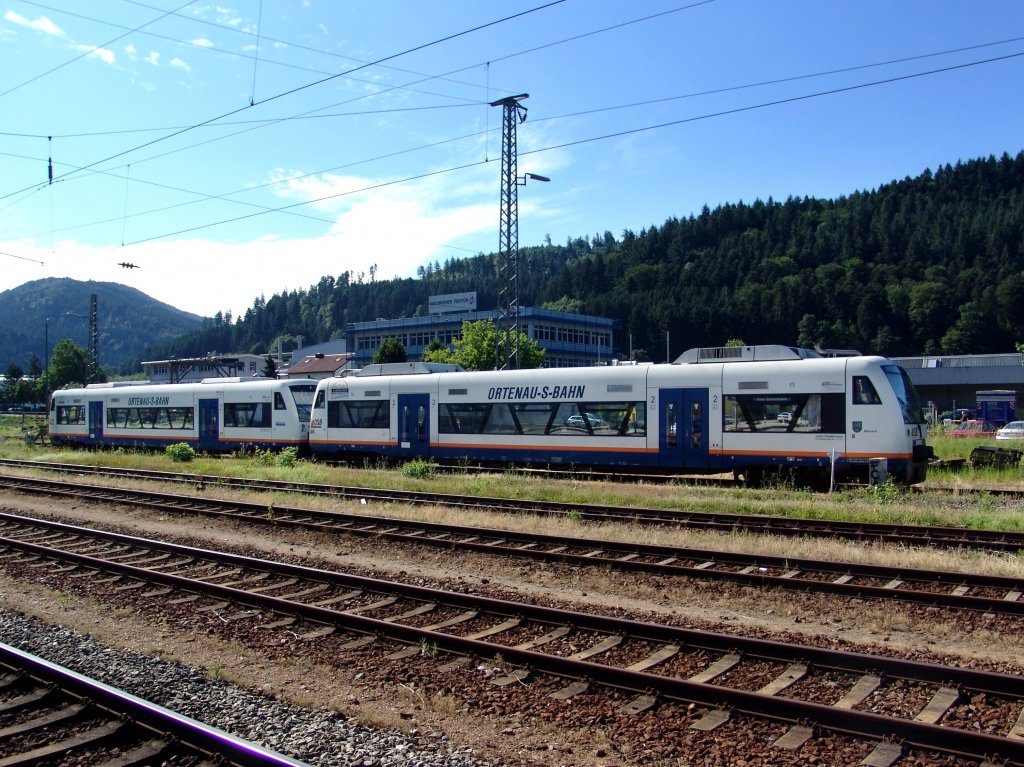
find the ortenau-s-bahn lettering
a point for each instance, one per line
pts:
(534, 392)
(148, 401)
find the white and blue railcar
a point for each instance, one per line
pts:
(746, 410)
(218, 414)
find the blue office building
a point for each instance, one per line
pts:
(570, 340)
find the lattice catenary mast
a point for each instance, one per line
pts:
(94, 341)
(513, 113)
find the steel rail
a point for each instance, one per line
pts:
(932, 737)
(912, 535)
(758, 570)
(183, 735)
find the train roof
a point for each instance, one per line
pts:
(403, 369)
(760, 353)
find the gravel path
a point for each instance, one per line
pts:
(321, 738)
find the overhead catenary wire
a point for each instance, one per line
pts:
(221, 51)
(321, 81)
(605, 108)
(289, 209)
(791, 78)
(616, 134)
(91, 51)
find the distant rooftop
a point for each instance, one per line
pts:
(1015, 359)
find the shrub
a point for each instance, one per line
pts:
(287, 457)
(418, 468)
(263, 457)
(181, 452)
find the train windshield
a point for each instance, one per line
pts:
(303, 396)
(906, 394)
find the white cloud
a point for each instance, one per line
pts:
(179, 64)
(202, 42)
(103, 54)
(42, 24)
(131, 51)
(153, 58)
(228, 16)
(371, 221)
(398, 228)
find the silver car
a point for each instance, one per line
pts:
(1012, 430)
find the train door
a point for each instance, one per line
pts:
(209, 424)
(96, 420)
(683, 433)
(413, 425)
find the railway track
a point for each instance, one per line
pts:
(51, 715)
(889, 533)
(888, 705)
(933, 588)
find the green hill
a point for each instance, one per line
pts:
(128, 321)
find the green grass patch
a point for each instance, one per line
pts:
(885, 504)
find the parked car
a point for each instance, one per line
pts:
(785, 417)
(576, 421)
(1012, 430)
(974, 428)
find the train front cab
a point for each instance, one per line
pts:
(884, 420)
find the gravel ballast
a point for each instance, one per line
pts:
(321, 738)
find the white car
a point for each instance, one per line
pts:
(1012, 430)
(576, 421)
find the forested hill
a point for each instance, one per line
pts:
(933, 264)
(58, 307)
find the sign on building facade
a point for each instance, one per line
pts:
(452, 302)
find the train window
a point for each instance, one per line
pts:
(70, 414)
(784, 413)
(670, 424)
(359, 414)
(319, 400)
(533, 417)
(279, 401)
(558, 419)
(181, 417)
(906, 394)
(462, 419)
(247, 415)
(302, 396)
(864, 392)
(696, 424)
(501, 421)
(150, 417)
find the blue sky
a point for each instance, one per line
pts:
(242, 148)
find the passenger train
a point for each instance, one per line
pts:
(745, 410)
(216, 414)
